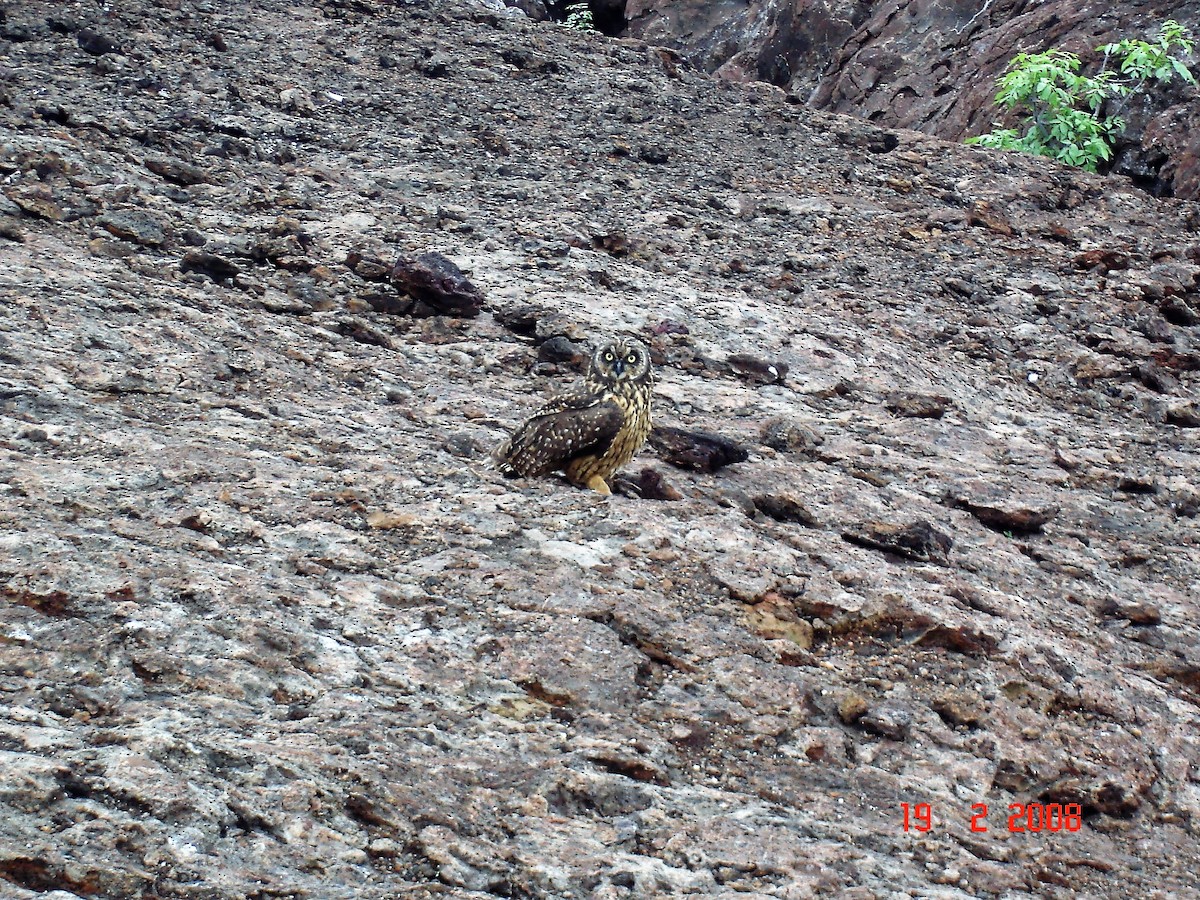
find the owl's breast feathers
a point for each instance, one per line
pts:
(578, 423)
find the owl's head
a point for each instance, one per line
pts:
(625, 361)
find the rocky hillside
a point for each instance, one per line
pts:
(932, 64)
(270, 625)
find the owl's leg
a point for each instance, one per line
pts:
(599, 485)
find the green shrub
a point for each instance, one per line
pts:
(1065, 113)
(579, 17)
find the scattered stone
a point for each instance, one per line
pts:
(136, 226)
(269, 615)
(437, 285)
(297, 101)
(655, 155)
(960, 707)
(1156, 378)
(862, 136)
(126, 380)
(1179, 311)
(785, 508)
(96, 43)
(757, 370)
(440, 330)
(775, 619)
(275, 302)
(435, 65)
(614, 243)
(560, 349)
(1136, 612)
(851, 707)
(112, 249)
(984, 215)
(1007, 514)
(1102, 259)
(648, 485)
(917, 406)
(176, 171)
(367, 267)
(918, 540)
(358, 329)
(887, 720)
(670, 326)
(9, 230)
(791, 437)
(1139, 483)
(1095, 796)
(520, 318)
(1185, 414)
(216, 267)
(695, 450)
(534, 9)
(37, 200)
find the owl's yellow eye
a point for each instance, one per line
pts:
(608, 357)
(631, 358)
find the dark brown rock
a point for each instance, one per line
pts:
(1138, 612)
(560, 349)
(216, 267)
(756, 369)
(785, 508)
(1007, 513)
(438, 286)
(917, 540)
(649, 484)
(917, 406)
(96, 43)
(176, 170)
(696, 450)
(368, 267)
(520, 318)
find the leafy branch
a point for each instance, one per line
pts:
(1065, 112)
(579, 17)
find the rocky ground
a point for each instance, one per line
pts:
(272, 626)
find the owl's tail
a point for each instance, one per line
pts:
(500, 458)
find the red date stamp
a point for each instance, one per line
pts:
(1023, 817)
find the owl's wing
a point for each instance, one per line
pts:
(570, 425)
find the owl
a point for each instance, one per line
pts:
(592, 430)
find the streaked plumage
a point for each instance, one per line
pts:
(591, 431)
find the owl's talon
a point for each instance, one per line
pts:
(599, 485)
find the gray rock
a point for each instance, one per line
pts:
(271, 625)
(135, 226)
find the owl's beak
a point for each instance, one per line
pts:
(619, 366)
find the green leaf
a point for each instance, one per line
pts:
(1099, 149)
(1183, 71)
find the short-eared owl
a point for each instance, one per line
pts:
(593, 430)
